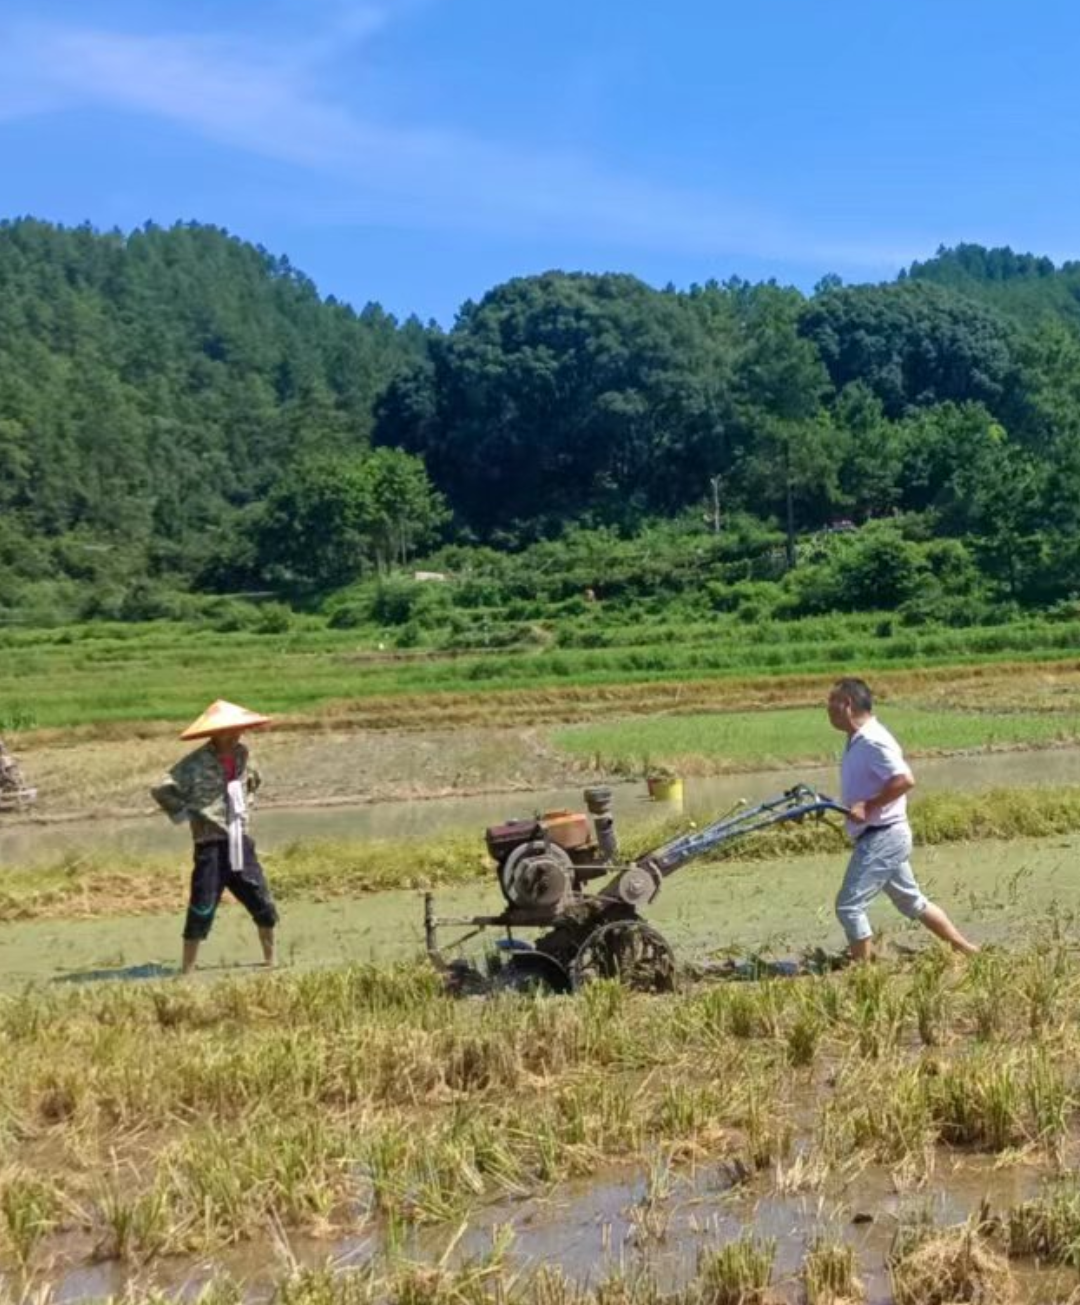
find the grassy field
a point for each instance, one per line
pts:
(144, 1123)
(763, 739)
(709, 1146)
(94, 675)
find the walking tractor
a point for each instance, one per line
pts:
(546, 867)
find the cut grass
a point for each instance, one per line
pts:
(168, 1119)
(947, 1268)
(738, 1273)
(1047, 1227)
(829, 1274)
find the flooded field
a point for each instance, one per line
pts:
(236, 1135)
(633, 1222)
(871, 1128)
(24, 842)
(992, 888)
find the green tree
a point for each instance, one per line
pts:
(314, 523)
(872, 452)
(873, 570)
(153, 385)
(402, 512)
(329, 519)
(1025, 287)
(563, 395)
(790, 454)
(914, 344)
(1006, 495)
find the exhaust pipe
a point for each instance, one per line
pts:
(598, 805)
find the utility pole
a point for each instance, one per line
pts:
(716, 482)
(789, 486)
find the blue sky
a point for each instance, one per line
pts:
(417, 152)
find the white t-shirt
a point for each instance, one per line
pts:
(872, 757)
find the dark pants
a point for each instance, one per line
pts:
(210, 877)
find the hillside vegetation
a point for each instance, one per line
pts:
(182, 415)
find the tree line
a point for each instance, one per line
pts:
(182, 410)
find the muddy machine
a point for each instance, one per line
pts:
(15, 793)
(547, 869)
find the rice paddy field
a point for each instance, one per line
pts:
(93, 676)
(744, 739)
(901, 1132)
(341, 1130)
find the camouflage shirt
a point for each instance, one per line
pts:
(195, 790)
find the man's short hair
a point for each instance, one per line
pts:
(857, 693)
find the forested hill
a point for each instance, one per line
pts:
(180, 409)
(1023, 286)
(151, 384)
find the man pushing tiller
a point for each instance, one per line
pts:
(875, 781)
(211, 788)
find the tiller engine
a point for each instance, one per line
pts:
(546, 867)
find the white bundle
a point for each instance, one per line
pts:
(237, 823)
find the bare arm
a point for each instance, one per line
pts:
(894, 788)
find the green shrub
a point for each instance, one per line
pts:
(147, 601)
(393, 601)
(231, 616)
(572, 636)
(273, 618)
(397, 602)
(408, 636)
(349, 616)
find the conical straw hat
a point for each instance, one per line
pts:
(221, 716)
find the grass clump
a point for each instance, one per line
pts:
(1047, 1227)
(928, 998)
(737, 1274)
(829, 1274)
(947, 1268)
(131, 1228)
(978, 1102)
(29, 1211)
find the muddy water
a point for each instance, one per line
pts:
(593, 1229)
(995, 890)
(34, 844)
(606, 1226)
(30, 844)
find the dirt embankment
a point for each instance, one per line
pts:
(322, 766)
(437, 745)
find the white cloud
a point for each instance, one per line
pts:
(268, 99)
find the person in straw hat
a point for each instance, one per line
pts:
(211, 789)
